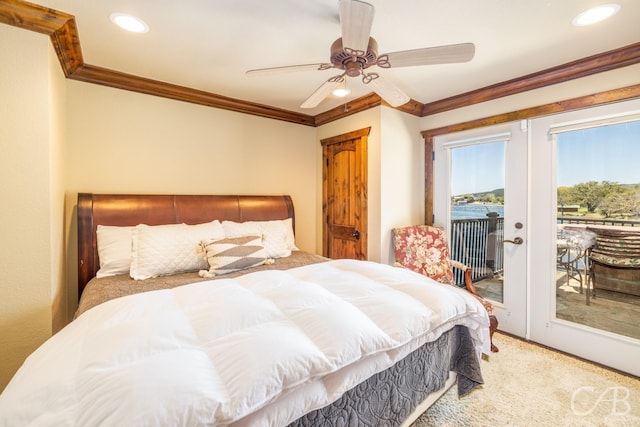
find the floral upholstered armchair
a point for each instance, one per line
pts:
(424, 249)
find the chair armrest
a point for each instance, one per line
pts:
(469, 284)
(458, 264)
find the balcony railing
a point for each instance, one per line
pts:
(478, 242)
(591, 221)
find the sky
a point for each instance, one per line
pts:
(606, 153)
(483, 167)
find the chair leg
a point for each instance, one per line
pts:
(493, 325)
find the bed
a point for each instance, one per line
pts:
(291, 340)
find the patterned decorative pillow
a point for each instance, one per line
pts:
(277, 235)
(232, 254)
(423, 248)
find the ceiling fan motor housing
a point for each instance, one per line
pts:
(353, 62)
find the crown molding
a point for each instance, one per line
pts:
(610, 60)
(600, 98)
(107, 77)
(62, 30)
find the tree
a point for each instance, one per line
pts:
(590, 194)
(489, 198)
(622, 204)
(586, 194)
(565, 196)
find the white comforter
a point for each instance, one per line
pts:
(262, 349)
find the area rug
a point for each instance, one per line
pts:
(528, 385)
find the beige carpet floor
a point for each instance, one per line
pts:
(528, 385)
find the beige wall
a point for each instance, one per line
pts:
(30, 244)
(57, 138)
(401, 176)
(125, 142)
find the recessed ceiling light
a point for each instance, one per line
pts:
(129, 22)
(341, 92)
(596, 14)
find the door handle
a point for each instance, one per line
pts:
(516, 241)
(356, 234)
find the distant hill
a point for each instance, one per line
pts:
(498, 192)
(635, 187)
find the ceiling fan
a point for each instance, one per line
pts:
(356, 51)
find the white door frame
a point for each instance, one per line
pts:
(603, 347)
(512, 312)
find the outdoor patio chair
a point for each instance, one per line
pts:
(615, 260)
(424, 249)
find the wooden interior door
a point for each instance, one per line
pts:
(344, 192)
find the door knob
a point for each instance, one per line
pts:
(356, 234)
(516, 241)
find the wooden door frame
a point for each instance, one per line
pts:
(362, 136)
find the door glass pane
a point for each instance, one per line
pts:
(477, 215)
(598, 228)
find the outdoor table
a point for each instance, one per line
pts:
(573, 245)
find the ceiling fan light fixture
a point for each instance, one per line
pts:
(341, 92)
(129, 22)
(595, 14)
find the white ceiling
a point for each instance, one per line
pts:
(210, 44)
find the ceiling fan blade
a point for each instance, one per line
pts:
(448, 54)
(287, 69)
(356, 18)
(389, 92)
(321, 93)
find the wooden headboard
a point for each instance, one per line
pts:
(134, 209)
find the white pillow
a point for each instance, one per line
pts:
(170, 249)
(277, 235)
(114, 250)
(291, 238)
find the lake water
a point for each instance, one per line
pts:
(475, 211)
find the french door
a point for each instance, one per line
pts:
(571, 181)
(480, 197)
(585, 188)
